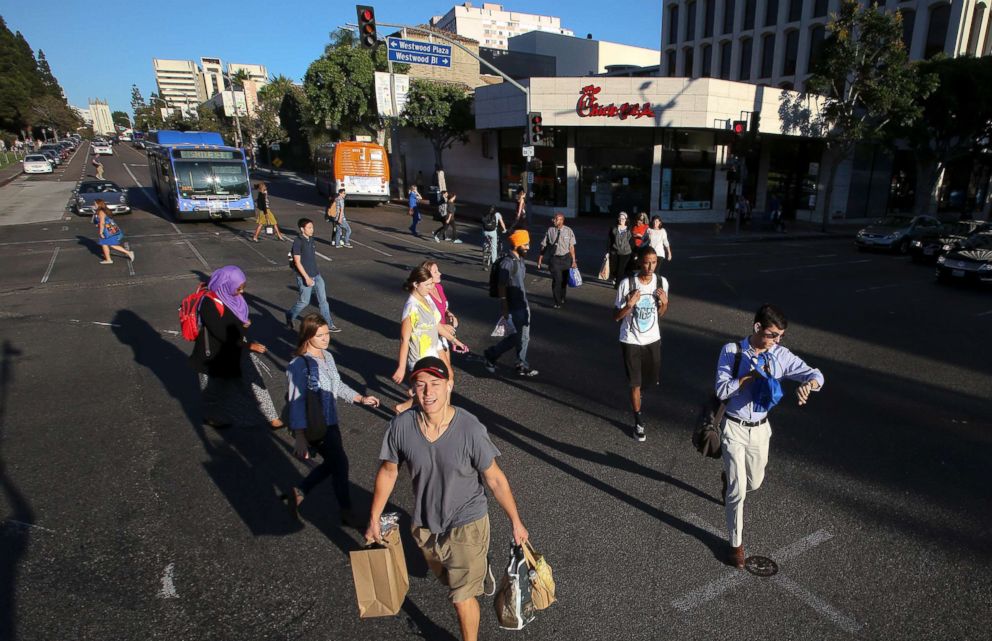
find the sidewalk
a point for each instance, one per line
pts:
(10, 173)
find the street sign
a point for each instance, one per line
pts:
(415, 52)
(382, 94)
(528, 152)
(277, 162)
(274, 146)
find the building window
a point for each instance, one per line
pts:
(767, 55)
(908, 21)
(690, 20)
(750, 7)
(744, 73)
(729, 9)
(771, 12)
(673, 23)
(791, 53)
(816, 36)
(820, 8)
(687, 62)
(726, 51)
(795, 10)
(550, 186)
(688, 165)
(940, 18)
(671, 59)
(708, 18)
(977, 18)
(707, 52)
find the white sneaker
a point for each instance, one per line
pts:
(130, 256)
(457, 242)
(106, 262)
(348, 245)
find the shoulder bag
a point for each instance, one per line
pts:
(316, 423)
(706, 436)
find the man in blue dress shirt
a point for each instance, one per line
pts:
(745, 428)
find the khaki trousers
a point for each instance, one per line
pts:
(745, 454)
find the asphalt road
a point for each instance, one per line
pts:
(124, 518)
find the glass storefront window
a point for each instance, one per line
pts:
(550, 181)
(614, 167)
(688, 165)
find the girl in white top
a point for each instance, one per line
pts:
(659, 238)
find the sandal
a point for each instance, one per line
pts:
(293, 500)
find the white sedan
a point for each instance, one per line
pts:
(102, 149)
(37, 164)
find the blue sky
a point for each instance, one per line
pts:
(98, 49)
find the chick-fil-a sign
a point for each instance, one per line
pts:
(587, 107)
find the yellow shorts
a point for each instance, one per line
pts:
(458, 557)
(265, 217)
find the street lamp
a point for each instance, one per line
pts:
(234, 103)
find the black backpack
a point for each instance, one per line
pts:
(706, 436)
(489, 221)
(494, 276)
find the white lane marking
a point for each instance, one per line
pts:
(104, 324)
(372, 248)
(198, 255)
(786, 269)
(22, 524)
(168, 590)
(51, 264)
(793, 550)
(984, 313)
(325, 257)
(826, 610)
(133, 177)
(138, 183)
(299, 204)
(249, 245)
(698, 521)
(720, 256)
(436, 248)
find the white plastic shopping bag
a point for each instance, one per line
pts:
(504, 328)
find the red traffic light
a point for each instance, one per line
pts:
(536, 120)
(367, 14)
(739, 127)
(368, 38)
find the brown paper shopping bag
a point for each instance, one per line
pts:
(381, 579)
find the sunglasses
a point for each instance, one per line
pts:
(773, 335)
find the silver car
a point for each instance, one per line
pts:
(92, 190)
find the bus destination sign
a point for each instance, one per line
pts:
(205, 154)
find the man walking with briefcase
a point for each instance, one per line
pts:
(749, 397)
(439, 444)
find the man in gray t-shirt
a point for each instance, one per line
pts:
(451, 461)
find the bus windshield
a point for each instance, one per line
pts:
(211, 178)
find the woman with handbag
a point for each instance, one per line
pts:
(109, 234)
(314, 386)
(263, 215)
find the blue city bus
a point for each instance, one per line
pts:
(197, 177)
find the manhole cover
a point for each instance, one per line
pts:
(760, 566)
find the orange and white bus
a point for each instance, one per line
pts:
(361, 168)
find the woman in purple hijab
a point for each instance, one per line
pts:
(224, 358)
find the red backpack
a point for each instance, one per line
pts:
(189, 316)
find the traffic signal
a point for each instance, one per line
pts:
(755, 121)
(739, 127)
(535, 128)
(367, 36)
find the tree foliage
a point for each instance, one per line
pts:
(868, 86)
(121, 118)
(30, 96)
(442, 112)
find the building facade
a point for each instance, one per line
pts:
(492, 26)
(103, 123)
(464, 70)
(179, 83)
(775, 42)
(581, 56)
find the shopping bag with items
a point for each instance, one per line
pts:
(514, 606)
(504, 327)
(604, 269)
(542, 583)
(381, 579)
(574, 277)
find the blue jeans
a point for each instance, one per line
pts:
(416, 219)
(520, 340)
(347, 232)
(304, 300)
(490, 241)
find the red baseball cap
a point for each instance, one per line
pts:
(433, 366)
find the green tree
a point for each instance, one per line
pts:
(208, 119)
(49, 111)
(47, 78)
(955, 124)
(441, 112)
(121, 119)
(137, 100)
(867, 84)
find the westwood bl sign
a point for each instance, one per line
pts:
(588, 107)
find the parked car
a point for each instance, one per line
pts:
(52, 155)
(61, 153)
(102, 149)
(895, 233)
(138, 144)
(92, 190)
(38, 164)
(971, 262)
(930, 245)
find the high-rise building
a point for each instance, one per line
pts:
(179, 83)
(491, 26)
(776, 42)
(103, 123)
(84, 115)
(211, 76)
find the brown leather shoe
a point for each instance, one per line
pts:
(737, 557)
(723, 492)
